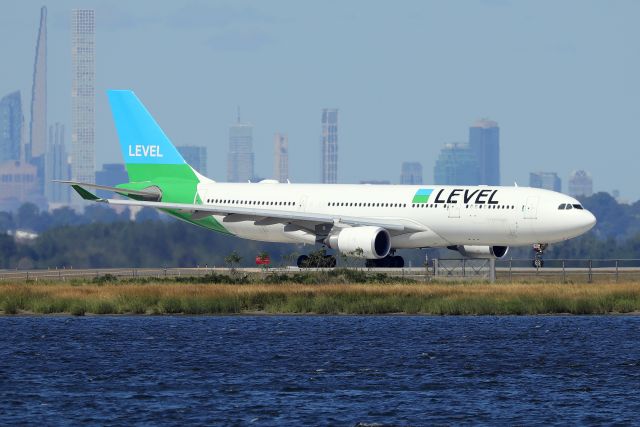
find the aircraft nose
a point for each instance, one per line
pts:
(587, 221)
(591, 220)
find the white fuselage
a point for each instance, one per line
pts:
(453, 215)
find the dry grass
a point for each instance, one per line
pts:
(440, 299)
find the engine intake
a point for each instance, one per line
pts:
(481, 252)
(363, 242)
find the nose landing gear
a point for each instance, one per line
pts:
(538, 250)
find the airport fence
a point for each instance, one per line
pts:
(504, 270)
(554, 270)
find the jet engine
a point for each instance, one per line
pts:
(364, 242)
(481, 252)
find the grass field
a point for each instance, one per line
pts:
(108, 296)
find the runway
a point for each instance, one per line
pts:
(515, 270)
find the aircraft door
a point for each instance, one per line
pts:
(454, 210)
(303, 203)
(531, 208)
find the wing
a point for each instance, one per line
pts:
(260, 216)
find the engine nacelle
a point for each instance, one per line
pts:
(481, 252)
(374, 242)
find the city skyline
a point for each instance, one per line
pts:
(419, 127)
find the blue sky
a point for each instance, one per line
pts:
(561, 79)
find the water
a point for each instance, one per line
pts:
(319, 370)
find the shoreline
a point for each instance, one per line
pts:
(263, 314)
(267, 299)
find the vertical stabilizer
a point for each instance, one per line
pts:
(147, 152)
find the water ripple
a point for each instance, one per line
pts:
(343, 370)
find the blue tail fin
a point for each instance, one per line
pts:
(141, 139)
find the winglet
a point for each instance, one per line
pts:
(85, 194)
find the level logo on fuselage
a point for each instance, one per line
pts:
(422, 195)
(457, 195)
(145, 151)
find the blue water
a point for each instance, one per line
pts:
(318, 370)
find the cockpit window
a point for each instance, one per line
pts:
(565, 206)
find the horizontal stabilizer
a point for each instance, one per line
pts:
(123, 191)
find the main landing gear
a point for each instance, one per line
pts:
(538, 250)
(390, 261)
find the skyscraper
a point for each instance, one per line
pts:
(35, 152)
(580, 184)
(456, 165)
(411, 173)
(546, 180)
(18, 185)
(281, 157)
(240, 160)
(484, 141)
(329, 146)
(83, 161)
(196, 156)
(56, 166)
(11, 123)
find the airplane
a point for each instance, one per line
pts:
(366, 221)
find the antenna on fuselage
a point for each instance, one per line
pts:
(515, 184)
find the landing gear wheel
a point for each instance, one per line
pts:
(303, 261)
(538, 250)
